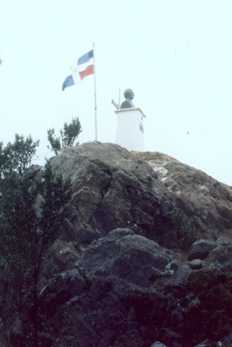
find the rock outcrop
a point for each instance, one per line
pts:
(145, 258)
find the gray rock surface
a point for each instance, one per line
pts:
(152, 193)
(131, 257)
(196, 264)
(201, 248)
(158, 344)
(146, 254)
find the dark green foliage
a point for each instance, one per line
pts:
(17, 156)
(32, 210)
(55, 196)
(70, 132)
(31, 213)
(68, 136)
(54, 141)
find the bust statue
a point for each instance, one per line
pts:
(129, 96)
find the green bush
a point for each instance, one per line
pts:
(68, 136)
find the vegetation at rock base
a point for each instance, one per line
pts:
(32, 210)
(68, 136)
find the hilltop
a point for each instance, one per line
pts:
(145, 254)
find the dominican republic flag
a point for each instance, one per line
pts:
(85, 67)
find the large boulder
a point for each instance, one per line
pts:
(201, 248)
(144, 255)
(151, 193)
(128, 256)
(111, 190)
(109, 297)
(127, 290)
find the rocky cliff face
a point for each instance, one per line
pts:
(145, 255)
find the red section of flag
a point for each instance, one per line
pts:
(88, 71)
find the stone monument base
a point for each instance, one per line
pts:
(130, 133)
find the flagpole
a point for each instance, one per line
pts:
(95, 96)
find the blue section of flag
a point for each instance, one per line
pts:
(85, 58)
(68, 82)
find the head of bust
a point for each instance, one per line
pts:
(129, 96)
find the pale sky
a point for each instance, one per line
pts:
(175, 54)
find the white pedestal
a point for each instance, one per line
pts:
(130, 132)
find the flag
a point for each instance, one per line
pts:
(85, 64)
(68, 82)
(84, 68)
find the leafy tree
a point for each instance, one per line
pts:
(54, 141)
(67, 138)
(32, 211)
(17, 156)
